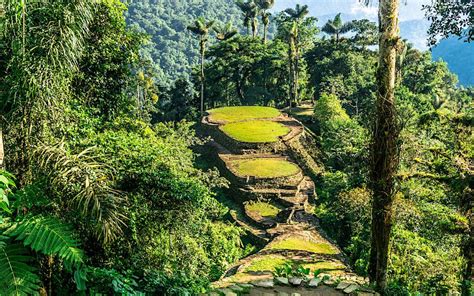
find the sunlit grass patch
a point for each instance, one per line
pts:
(298, 243)
(326, 266)
(266, 263)
(263, 209)
(232, 114)
(256, 131)
(264, 167)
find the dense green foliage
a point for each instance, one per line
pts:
(171, 48)
(105, 193)
(106, 202)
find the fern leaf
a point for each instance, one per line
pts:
(17, 277)
(49, 236)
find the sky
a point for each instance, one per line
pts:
(411, 13)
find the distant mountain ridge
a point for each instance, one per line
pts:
(460, 58)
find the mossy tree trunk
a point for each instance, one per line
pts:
(384, 148)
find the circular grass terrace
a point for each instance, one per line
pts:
(255, 131)
(242, 113)
(263, 167)
(262, 209)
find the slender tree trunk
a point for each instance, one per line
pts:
(265, 27)
(202, 45)
(291, 75)
(384, 150)
(254, 28)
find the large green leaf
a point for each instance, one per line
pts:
(49, 236)
(17, 277)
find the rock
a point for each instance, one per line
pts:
(295, 294)
(329, 282)
(283, 294)
(343, 285)
(228, 292)
(236, 289)
(352, 288)
(246, 286)
(214, 294)
(268, 294)
(281, 280)
(264, 283)
(295, 281)
(314, 282)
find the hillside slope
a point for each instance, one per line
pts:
(172, 48)
(460, 58)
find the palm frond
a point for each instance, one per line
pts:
(49, 236)
(86, 184)
(17, 276)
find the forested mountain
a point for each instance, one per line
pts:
(172, 48)
(460, 58)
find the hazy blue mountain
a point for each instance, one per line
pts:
(460, 58)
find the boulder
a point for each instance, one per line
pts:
(352, 288)
(314, 282)
(295, 281)
(281, 280)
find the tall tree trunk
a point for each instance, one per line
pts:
(265, 28)
(203, 49)
(2, 154)
(254, 28)
(384, 150)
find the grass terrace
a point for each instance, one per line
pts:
(264, 167)
(299, 243)
(266, 263)
(263, 209)
(241, 113)
(255, 131)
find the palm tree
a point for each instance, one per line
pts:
(225, 32)
(337, 27)
(201, 28)
(250, 12)
(264, 6)
(296, 16)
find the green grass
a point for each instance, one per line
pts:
(326, 266)
(232, 114)
(266, 263)
(296, 243)
(263, 209)
(264, 167)
(255, 131)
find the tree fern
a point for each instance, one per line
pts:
(49, 236)
(17, 277)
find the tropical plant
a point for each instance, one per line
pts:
(264, 6)
(45, 235)
(289, 270)
(85, 185)
(45, 47)
(295, 16)
(201, 28)
(337, 27)
(225, 32)
(250, 12)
